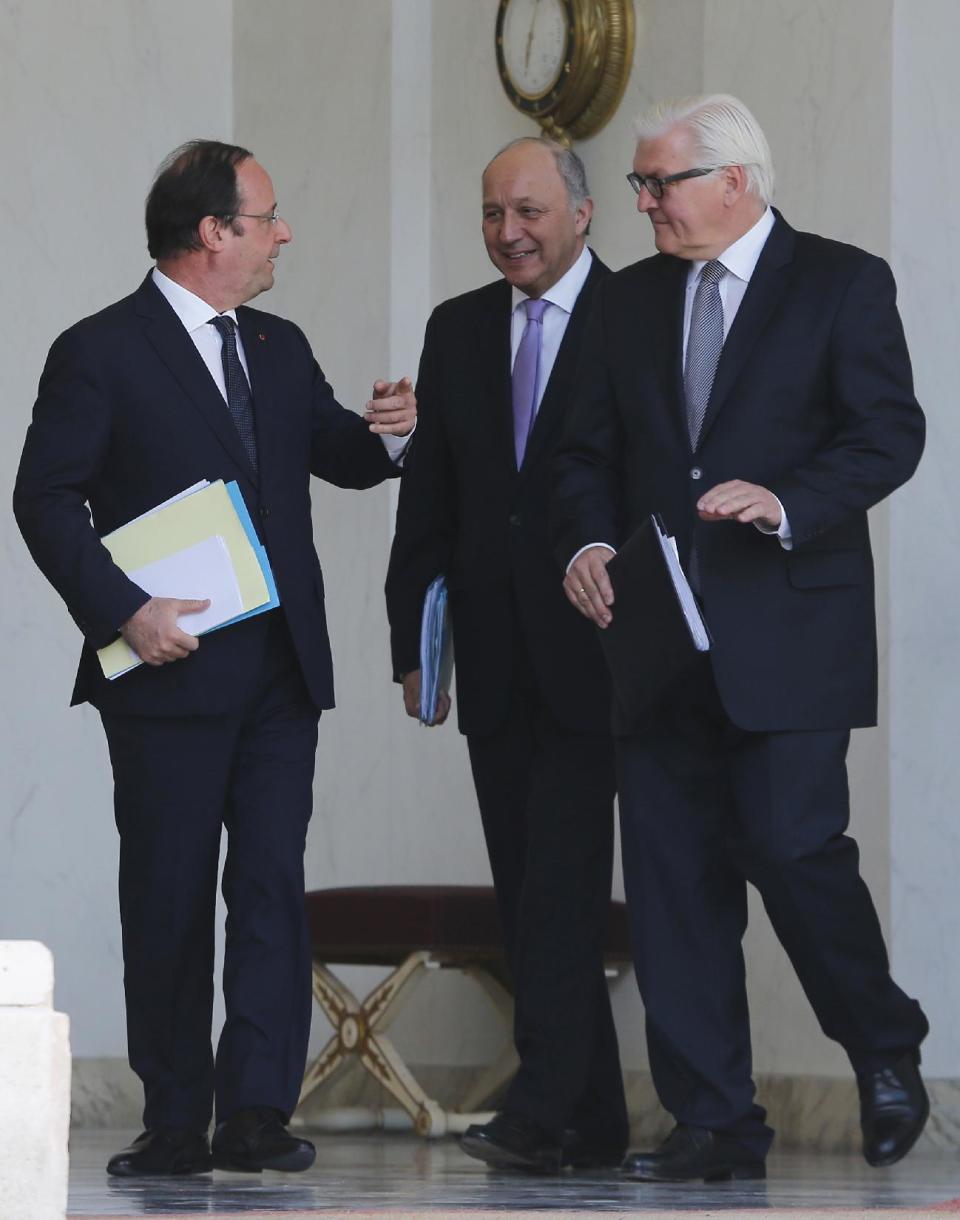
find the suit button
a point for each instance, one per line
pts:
(264, 512)
(514, 518)
(696, 473)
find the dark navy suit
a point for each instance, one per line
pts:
(532, 693)
(128, 415)
(739, 773)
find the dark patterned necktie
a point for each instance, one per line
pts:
(239, 398)
(704, 345)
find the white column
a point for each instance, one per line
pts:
(410, 188)
(924, 530)
(34, 1086)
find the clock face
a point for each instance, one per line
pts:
(535, 36)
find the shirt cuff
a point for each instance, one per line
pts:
(782, 531)
(587, 548)
(396, 446)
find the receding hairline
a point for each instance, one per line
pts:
(547, 146)
(568, 165)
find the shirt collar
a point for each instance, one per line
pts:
(193, 311)
(567, 288)
(741, 258)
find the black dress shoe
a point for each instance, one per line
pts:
(693, 1153)
(163, 1152)
(893, 1110)
(255, 1139)
(579, 1152)
(510, 1141)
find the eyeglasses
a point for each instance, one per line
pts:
(273, 216)
(655, 185)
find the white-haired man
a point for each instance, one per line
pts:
(752, 385)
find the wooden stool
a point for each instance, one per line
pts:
(412, 928)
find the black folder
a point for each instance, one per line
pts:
(657, 631)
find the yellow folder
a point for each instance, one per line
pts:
(199, 514)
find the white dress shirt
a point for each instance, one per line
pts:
(560, 299)
(740, 260)
(196, 315)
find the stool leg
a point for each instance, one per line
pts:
(379, 1056)
(341, 1008)
(382, 1005)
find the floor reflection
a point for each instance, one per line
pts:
(396, 1174)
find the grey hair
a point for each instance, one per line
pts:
(724, 133)
(569, 166)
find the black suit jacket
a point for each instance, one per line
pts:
(465, 510)
(128, 415)
(813, 399)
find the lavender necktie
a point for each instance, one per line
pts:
(526, 375)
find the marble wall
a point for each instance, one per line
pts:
(924, 587)
(92, 95)
(375, 120)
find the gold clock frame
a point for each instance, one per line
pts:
(596, 68)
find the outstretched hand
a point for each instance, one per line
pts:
(393, 408)
(740, 501)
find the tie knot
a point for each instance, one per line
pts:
(712, 272)
(535, 309)
(226, 326)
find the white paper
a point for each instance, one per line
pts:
(200, 571)
(688, 603)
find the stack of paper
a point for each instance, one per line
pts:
(436, 649)
(199, 544)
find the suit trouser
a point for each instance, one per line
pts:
(177, 783)
(546, 801)
(706, 807)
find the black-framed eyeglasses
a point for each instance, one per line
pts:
(273, 216)
(655, 185)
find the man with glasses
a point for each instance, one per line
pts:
(177, 383)
(532, 690)
(750, 384)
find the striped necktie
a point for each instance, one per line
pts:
(704, 346)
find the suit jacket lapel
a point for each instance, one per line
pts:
(662, 319)
(263, 381)
(173, 345)
(766, 288)
(491, 343)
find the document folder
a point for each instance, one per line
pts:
(436, 649)
(167, 546)
(657, 629)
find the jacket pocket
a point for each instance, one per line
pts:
(826, 569)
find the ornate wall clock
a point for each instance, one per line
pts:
(565, 63)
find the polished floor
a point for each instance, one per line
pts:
(399, 1175)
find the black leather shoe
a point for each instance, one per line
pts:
(693, 1153)
(582, 1153)
(893, 1110)
(255, 1139)
(163, 1152)
(510, 1141)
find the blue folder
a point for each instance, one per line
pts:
(260, 551)
(436, 649)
